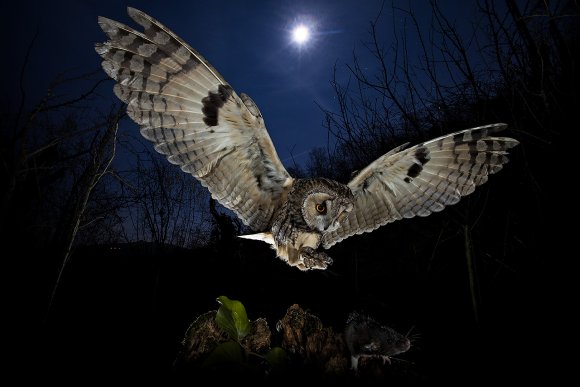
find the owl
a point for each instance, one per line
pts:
(195, 118)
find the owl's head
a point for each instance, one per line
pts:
(325, 204)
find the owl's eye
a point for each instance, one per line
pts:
(321, 208)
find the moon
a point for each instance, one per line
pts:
(300, 34)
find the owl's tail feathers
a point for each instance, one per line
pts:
(261, 236)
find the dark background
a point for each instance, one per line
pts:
(130, 275)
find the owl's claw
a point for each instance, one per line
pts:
(315, 259)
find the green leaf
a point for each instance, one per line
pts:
(277, 358)
(232, 318)
(226, 353)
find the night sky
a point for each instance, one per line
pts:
(248, 42)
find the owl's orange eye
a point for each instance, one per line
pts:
(321, 208)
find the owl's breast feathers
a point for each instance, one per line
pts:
(290, 228)
(296, 240)
(289, 237)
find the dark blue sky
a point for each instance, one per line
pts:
(247, 41)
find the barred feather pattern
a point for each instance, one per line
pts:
(422, 179)
(195, 118)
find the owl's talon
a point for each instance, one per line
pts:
(315, 259)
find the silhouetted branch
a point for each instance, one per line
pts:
(103, 153)
(21, 79)
(73, 101)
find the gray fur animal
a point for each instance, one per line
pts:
(195, 118)
(365, 337)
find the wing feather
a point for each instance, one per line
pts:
(193, 116)
(423, 179)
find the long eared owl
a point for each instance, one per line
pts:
(195, 118)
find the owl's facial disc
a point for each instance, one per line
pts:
(324, 211)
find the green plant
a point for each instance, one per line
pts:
(232, 318)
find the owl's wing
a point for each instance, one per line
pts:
(191, 114)
(422, 179)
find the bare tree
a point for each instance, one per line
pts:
(54, 155)
(101, 153)
(166, 206)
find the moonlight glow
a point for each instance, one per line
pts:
(300, 34)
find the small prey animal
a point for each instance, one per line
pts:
(365, 337)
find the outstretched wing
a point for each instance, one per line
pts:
(191, 114)
(423, 179)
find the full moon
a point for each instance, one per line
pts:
(300, 34)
